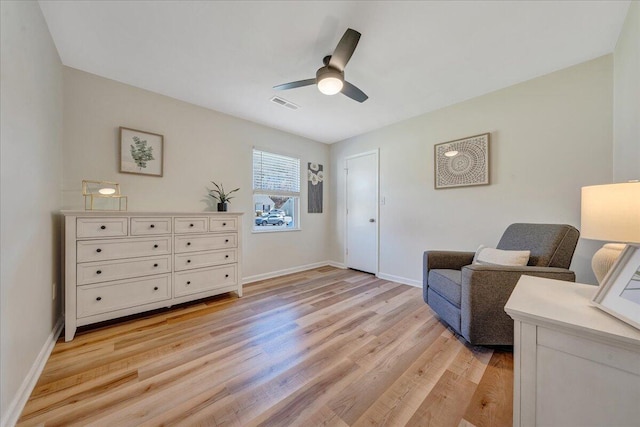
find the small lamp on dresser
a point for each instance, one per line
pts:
(103, 195)
(610, 213)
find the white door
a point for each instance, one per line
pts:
(362, 212)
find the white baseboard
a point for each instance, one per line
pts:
(337, 265)
(17, 404)
(398, 279)
(272, 274)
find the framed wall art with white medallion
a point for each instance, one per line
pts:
(462, 162)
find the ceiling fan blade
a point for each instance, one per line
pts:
(293, 85)
(344, 50)
(353, 92)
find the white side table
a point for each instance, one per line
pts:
(574, 365)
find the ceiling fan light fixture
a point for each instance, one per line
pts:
(329, 80)
(330, 85)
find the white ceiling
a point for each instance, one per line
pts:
(413, 57)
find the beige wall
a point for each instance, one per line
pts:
(626, 99)
(31, 165)
(549, 137)
(200, 146)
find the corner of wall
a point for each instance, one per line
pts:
(626, 107)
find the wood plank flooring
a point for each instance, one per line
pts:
(325, 347)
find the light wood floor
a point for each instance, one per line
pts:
(322, 347)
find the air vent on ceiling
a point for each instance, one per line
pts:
(283, 102)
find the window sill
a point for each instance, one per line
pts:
(274, 230)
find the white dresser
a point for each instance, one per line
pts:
(574, 365)
(121, 263)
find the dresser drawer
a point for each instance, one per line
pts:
(205, 242)
(100, 250)
(190, 225)
(205, 279)
(189, 261)
(103, 271)
(147, 226)
(223, 224)
(101, 227)
(112, 296)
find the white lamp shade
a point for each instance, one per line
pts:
(611, 212)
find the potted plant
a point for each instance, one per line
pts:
(221, 196)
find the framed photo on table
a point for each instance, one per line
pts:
(619, 292)
(141, 152)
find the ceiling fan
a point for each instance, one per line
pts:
(330, 78)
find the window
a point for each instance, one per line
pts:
(276, 191)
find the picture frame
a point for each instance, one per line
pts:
(619, 292)
(141, 152)
(462, 162)
(315, 179)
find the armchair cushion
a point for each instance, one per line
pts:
(447, 284)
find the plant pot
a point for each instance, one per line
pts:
(222, 207)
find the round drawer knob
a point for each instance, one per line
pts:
(152, 226)
(155, 288)
(98, 250)
(226, 275)
(188, 261)
(155, 265)
(155, 246)
(102, 227)
(226, 256)
(188, 283)
(99, 299)
(224, 224)
(188, 243)
(190, 225)
(226, 240)
(99, 272)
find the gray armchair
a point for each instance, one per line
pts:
(471, 297)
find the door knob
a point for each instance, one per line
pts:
(372, 220)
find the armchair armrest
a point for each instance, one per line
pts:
(485, 290)
(507, 274)
(453, 260)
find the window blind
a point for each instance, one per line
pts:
(275, 174)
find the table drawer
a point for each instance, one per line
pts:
(204, 279)
(223, 224)
(204, 242)
(190, 225)
(100, 250)
(189, 261)
(112, 296)
(103, 271)
(147, 226)
(101, 227)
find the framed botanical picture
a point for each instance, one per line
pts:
(315, 178)
(619, 292)
(462, 162)
(141, 152)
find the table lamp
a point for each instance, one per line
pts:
(610, 213)
(103, 195)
